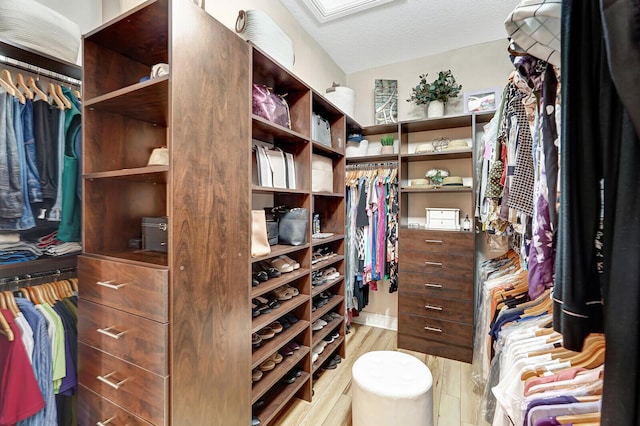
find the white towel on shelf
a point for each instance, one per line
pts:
(35, 26)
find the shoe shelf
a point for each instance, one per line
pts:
(149, 174)
(278, 250)
(324, 331)
(328, 262)
(270, 378)
(146, 101)
(286, 306)
(327, 353)
(316, 290)
(267, 131)
(321, 241)
(282, 394)
(332, 303)
(273, 283)
(278, 341)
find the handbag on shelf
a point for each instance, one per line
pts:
(321, 173)
(271, 215)
(293, 225)
(320, 129)
(270, 106)
(259, 241)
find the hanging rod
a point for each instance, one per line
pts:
(369, 166)
(39, 71)
(15, 282)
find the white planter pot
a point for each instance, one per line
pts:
(435, 109)
(386, 149)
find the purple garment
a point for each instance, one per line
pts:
(547, 401)
(382, 230)
(551, 421)
(541, 250)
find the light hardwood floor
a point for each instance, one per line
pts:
(454, 403)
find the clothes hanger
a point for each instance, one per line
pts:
(3, 303)
(31, 83)
(74, 284)
(5, 329)
(11, 303)
(51, 92)
(579, 418)
(6, 86)
(20, 84)
(63, 98)
(6, 76)
(77, 94)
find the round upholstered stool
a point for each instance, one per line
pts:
(391, 388)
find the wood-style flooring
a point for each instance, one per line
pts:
(454, 402)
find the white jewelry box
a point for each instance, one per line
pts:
(442, 218)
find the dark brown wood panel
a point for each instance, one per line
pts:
(92, 408)
(453, 287)
(105, 71)
(143, 290)
(138, 390)
(113, 212)
(435, 263)
(457, 243)
(432, 347)
(132, 338)
(109, 138)
(209, 213)
(443, 331)
(437, 307)
(140, 34)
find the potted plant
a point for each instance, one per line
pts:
(387, 144)
(435, 94)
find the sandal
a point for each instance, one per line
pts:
(261, 305)
(255, 340)
(256, 375)
(268, 365)
(294, 290)
(276, 357)
(276, 327)
(283, 293)
(266, 333)
(290, 261)
(270, 270)
(281, 265)
(317, 257)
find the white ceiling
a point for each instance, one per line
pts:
(404, 29)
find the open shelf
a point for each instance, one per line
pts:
(267, 131)
(272, 377)
(330, 261)
(151, 174)
(286, 306)
(283, 393)
(447, 122)
(324, 331)
(443, 155)
(316, 290)
(328, 352)
(273, 283)
(332, 303)
(334, 152)
(278, 250)
(268, 347)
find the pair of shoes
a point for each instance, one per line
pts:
(276, 327)
(285, 292)
(276, 358)
(267, 365)
(255, 340)
(259, 306)
(290, 317)
(256, 375)
(269, 269)
(266, 333)
(330, 364)
(337, 358)
(330, 338)
(292, 262)
(318, 324)
(281, 265)
(255, 421)
(331, 316)
(261, 301)
(318, 349)
(291, 377)
(330, 273)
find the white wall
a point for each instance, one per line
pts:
(476, 67)
(86, 13)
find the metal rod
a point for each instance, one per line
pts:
(40, 71)
(369, 166)
(15, 282)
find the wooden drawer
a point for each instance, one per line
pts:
(443, 331)
(135, 339)
(430, 241)
(131, 387)
(452, 287)
(140, 290)
(436, 307)
(432, 347)
(95, 410)
(435, 263)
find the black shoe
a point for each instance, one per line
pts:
(289, 378)
(270, 270)
(337, 358)
(255, 421)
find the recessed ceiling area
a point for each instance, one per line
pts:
(328, 10)
(402, 30)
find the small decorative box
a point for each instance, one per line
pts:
(154, 233)
(447, 219)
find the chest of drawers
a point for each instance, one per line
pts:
(435, 301)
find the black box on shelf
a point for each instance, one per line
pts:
(154, 233)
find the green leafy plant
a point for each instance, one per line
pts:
(386, 140)
(441, 89)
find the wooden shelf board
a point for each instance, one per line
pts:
(409, 189)
(273, 283)
(286, 306)
(328, 194)
(151, 174)
(328, 352)
(328, 262)
(335, 152)
(267, 131)
(332, 303)
(443, 155)
(270, 346)
(271, 190)
(380, 129)
(284, 393)
(322, 241)
(372, 158)
(41, 265)
(324, 331)
(446, 122)
(278, 250)
(316, 290)
(271, 378)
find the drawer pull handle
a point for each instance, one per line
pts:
(433, 263)
(105, 422)
(437, 330)
(433, 241)
(433, 307)
(107, 332)
(109, 285)
(106, 381)
(433, 285)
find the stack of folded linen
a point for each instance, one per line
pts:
(258, 27)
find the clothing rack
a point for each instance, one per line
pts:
(39, 63)
(370, 166)
(15, 282)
